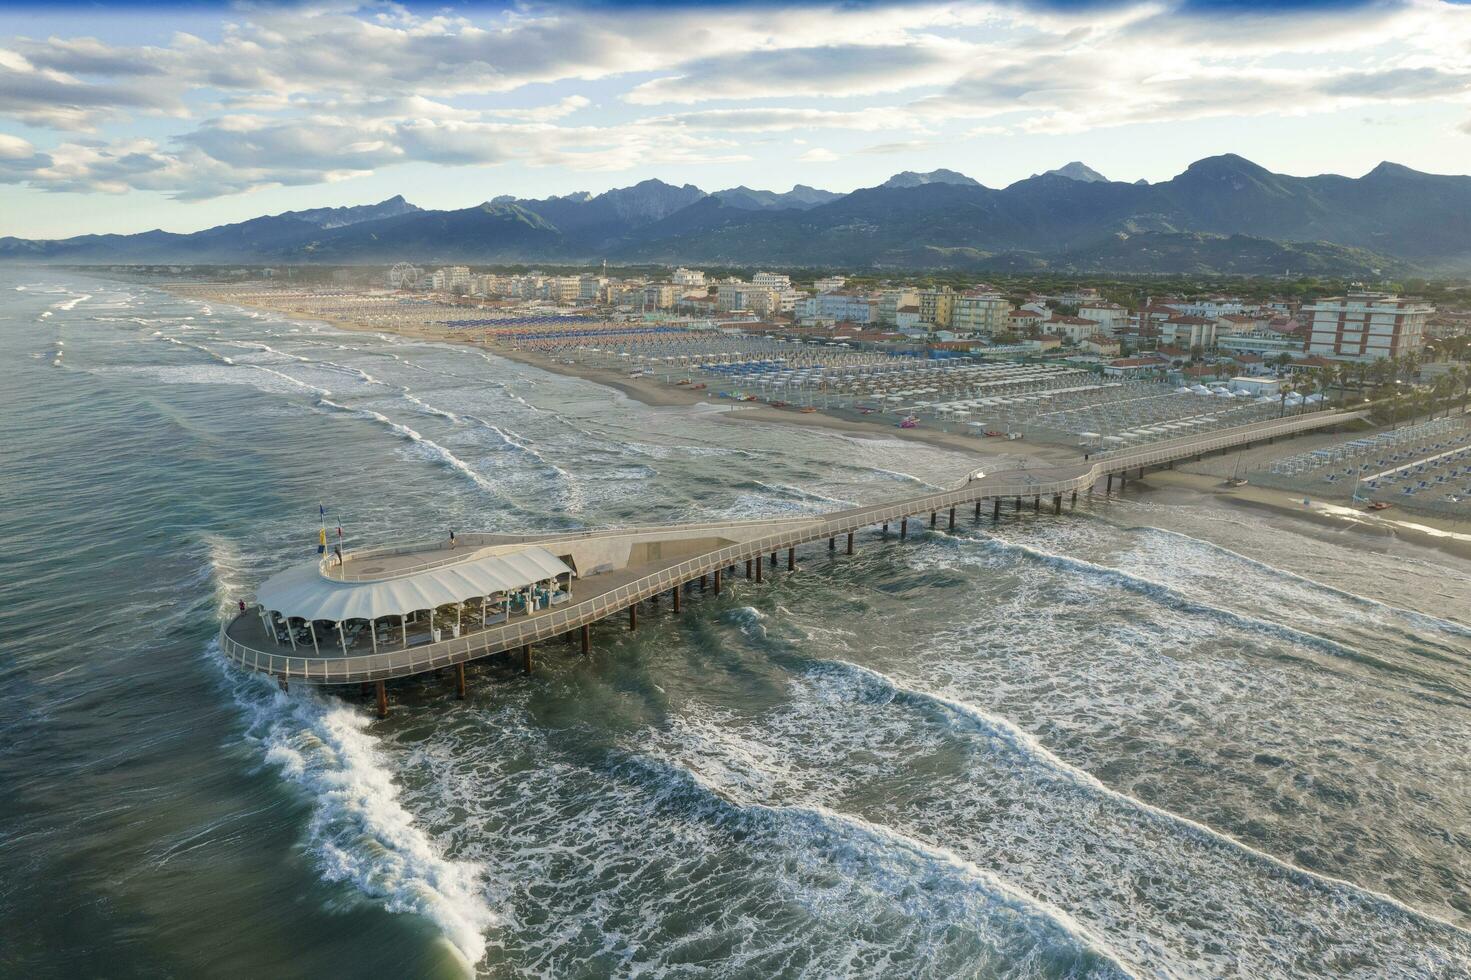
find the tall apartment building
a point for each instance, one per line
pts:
(979, 311)
(840, 305)
(688, 277)
(771, 280)
(748, 296)
(829, 284)
(564, 289)
(590, 288)
(937, 306)
(660, 296)
(893, 300)
(1365, 326)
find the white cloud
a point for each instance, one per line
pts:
(832, 70)
(781, 119)
(299, 95)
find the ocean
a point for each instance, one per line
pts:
(1156, 737)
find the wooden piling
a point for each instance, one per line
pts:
(903, 529)
(677, 591)
(932, 520)
(758, 571)
(717, 581)
(791, 559)
(996, 509)
(832, 544)
(952, 518)
(526, 659)
(1037, 504)
(748, 569)
(460, 682)
(1057, 503)
(633, 617)
(850, 542)
(382, 700)
(587, 636)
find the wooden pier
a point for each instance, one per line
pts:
(617, 569)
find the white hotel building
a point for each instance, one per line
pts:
(1365, 326)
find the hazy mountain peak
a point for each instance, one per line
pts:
(340, 217)
(910, 178)
(1227, 163)
(750, 199)
(1388, 169)
(1077, 170)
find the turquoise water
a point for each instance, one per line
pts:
(1155, 737)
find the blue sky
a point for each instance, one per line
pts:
(180, 116)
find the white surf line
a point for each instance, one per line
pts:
(1016, 898)
(71, 304)
(1444, 625)
(1028, 744)
(322, 392)
(1159, 590)
(359, 831)
(439, 452)
(888, 840)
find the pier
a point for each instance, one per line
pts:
(389, 613)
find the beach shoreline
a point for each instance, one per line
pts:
(1427, 530)
(656, 394)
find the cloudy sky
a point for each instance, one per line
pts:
(124, 118)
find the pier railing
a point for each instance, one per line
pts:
(789, 533)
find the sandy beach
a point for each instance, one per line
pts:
(657, 394)
(1425, 530)
(1206, 477)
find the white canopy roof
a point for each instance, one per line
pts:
(304, 592)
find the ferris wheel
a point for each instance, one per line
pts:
(404, 274)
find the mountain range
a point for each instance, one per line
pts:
(1222, 214)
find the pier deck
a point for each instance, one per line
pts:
(607, 587)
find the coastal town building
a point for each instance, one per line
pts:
(1102, 345)
(979, 311)
(1110, 317)
(1024, 322)
(688, 277)
(937, 306)
(660, 296)
(1073, 329)
(1365, 326)
(1187, 332)
(840, 305)
(830, 283)
(892, 300)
